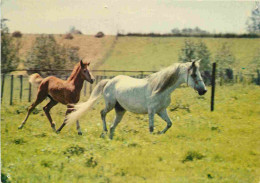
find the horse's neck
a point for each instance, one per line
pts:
(169, 90)
(76, 79)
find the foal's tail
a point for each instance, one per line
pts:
(83, 107)
(35, 79)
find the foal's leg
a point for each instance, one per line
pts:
(69, 110)
(163, 114)
(47, 109)
(40, 97)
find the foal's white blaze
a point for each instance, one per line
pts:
(150, 95)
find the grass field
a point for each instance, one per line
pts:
(145, 53)
(201, 146)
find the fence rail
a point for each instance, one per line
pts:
(16, 88)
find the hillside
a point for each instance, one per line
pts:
(145, 53)
(90, 48)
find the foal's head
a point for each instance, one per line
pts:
(85, 73)
(194, 78)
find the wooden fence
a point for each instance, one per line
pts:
(16, 88)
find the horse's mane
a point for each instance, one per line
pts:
(74, 71)
(165, 78)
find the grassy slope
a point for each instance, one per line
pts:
(140, 53)
(227, 141)
(90, 48)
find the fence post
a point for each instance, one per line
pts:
(11, 89)
(213, 86)
(258, 77)
(21, 87)
(90, 88)
(2, 87)
(85, 88)
(30, 92)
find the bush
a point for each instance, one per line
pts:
(100, 34)
(192, 155)
(68, 36)
(17, 34)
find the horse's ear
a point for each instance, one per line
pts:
(81, 64)
(193, 63)
(198, 61)
(88, 63)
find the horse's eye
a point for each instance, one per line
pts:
(194, 75)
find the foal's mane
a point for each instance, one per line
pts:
(74, 71)
(165, 78)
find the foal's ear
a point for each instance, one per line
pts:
(88, 63)
(81, 64)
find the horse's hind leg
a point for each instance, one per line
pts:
(119, 115)
(40, 97)
(163, 114)
(47, 109)
(108, 108)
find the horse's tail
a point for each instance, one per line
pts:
(83, 107)
(35, 79)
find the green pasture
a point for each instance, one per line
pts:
(201, 146)
(146, 53)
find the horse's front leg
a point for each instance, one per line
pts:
(151, 121)
(163, 114)
(78, 128)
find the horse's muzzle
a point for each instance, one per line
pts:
(92, 81)
(202, 92)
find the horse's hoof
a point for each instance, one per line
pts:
(79, 133)
(103, 134)
(57, 132)
(20, 127)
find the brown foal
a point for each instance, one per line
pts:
(60, 91)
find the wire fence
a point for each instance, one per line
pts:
(16, 88)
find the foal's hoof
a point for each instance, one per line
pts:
(79, 133)
(20, 127)
(57, 132)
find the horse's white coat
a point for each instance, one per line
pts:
(150, 95)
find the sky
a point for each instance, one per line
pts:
(124, 16)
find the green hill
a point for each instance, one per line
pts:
(147, 53)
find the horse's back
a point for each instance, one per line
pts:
(129, 92)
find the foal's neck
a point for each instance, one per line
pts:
(75, 78)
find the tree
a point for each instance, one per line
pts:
(188, 51)
(46, 54)
(202, 52)
(253, 23)
(176, 31)
(192, 51)
(9, 50)
(225, 60)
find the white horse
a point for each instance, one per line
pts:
(151, 95)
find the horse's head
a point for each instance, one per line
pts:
(85, 73)
(194, 78)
